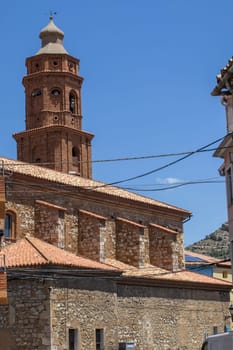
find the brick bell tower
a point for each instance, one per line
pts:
(54, 137)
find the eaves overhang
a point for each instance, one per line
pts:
(143, 281)
(52, 128)
(226, 143)
(222, 87)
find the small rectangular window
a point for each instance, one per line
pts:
(99, 339)
(73, 339)
(224, 274)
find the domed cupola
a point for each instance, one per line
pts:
(51, 39)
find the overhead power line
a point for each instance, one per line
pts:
(120, 159)
(170, 187)
(163, 166)
(185, 156)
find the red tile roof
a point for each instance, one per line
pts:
(155, 273)
(164, 229)
(53, 176)
(206, 258)
(30, 251)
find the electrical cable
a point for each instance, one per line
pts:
(163, 166)
(163, 155)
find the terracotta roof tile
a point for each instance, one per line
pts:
(156, 273)
(205, 258)
(46, 204)
(164, 229)
(130, 222)
(31, 251)
(80, 182)
(89, 213)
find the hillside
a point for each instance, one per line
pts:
(215, 244)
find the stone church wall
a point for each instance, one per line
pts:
(154, 317)
(160, 318)
(109, 240)
(25, 321)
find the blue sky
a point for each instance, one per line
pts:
(149, 67)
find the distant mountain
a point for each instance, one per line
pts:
(216, 244)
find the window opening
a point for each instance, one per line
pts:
(72, 102)
(73, 339)
(76, 157)
(99, 339)
(225, 274)
(9, 227)
(55, 92)
(75, 152)
(36, 92)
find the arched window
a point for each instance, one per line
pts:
(10, 225)
(75, 152)
(72, 102)
(56, 92)
(76, 157)
(36, 92)
(36, 155)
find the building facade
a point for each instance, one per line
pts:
(86, 265)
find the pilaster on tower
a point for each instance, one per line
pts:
(54, 137)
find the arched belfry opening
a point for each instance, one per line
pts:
(76, 159)
(73, 102)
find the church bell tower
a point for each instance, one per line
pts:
(54, 137)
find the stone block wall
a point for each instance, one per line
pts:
(158, 318)
(85, 305)
(91, 236)
(130, 247)
(25, 321)
(165, 248)
(49, 223)
(41, 311)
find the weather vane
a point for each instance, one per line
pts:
(52, 14)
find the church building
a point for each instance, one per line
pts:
(83, 264)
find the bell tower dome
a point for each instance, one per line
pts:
(54, 137)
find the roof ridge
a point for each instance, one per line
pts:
(38, 250)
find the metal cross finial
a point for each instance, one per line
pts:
(52, 14)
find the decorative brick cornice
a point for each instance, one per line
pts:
(52, 128)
